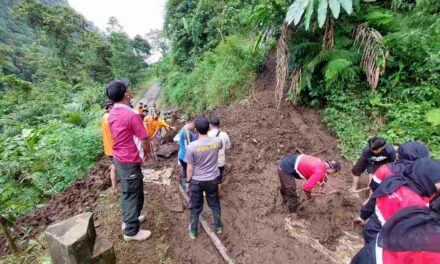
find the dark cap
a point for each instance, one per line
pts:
(334, 164)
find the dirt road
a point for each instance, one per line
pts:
(149, 94)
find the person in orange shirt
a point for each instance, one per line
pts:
(154, 125)
(140, 108)
(107, 141)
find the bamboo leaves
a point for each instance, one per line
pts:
(299, 7)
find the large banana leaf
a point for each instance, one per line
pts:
(335, 7)
(322, 12)
(295, 11)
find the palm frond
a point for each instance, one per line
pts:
(374, 55)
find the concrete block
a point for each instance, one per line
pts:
(72, 241)
(103, 253)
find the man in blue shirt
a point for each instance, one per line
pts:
(186, 136)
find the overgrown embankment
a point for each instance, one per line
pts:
(218, 46)
(54, 66)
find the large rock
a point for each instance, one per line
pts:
(103, 252)
(166, 150)
(72, 241)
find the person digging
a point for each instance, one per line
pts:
(312, 170)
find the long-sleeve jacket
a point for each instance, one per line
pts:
(311, 169)
(388, 154)
(382, 208)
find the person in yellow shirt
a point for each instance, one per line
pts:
(107, 141)
(154, 125)
(140, 108)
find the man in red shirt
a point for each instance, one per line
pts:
(131, 146)
(302, 167)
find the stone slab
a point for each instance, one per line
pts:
(103, 252)
(71, 241)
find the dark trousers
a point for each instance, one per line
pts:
(132, 195)
(288, 190)
(196, 189)
(371, 229)
(183, 178)
(222, 172)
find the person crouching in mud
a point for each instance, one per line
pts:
(302, 167)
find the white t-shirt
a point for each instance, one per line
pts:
(226, 145)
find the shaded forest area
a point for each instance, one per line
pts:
(54, 65)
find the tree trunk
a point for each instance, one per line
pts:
(329, 39)
(282, 65)
(7, 235)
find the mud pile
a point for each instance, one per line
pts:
(251, 205)
(79, 197)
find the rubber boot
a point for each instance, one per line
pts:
(193, 225)
(218, 222)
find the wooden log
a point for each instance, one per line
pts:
(217, 243)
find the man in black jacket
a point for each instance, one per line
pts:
(374, 155)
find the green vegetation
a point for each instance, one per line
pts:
(212, 59)
(372, 67)
(54, 66)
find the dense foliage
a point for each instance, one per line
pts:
(375, 71)
(212, 60)
(53, 68)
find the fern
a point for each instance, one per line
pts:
(382, 18)
(335, 68)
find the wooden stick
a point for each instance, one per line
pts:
(217, 243)
(318, 152)
(361, 190)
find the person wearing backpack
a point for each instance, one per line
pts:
(214, 131)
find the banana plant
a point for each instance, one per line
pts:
(308, 7)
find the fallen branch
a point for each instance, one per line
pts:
(361, 190)
(318, 152)
(303, 236)
(218, 244)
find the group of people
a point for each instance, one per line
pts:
(202, 156)
(127, 137)
(401, 217)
